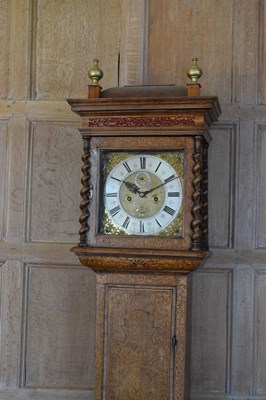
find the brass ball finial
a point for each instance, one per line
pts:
(194, 72)
(95, 73)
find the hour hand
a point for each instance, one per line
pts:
(132, 187)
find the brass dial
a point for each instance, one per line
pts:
(142, 195)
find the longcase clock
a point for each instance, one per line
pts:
(144, 228)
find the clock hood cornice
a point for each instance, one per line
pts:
(116, 107)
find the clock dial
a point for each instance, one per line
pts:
(142, 195)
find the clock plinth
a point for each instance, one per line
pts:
(144, 228)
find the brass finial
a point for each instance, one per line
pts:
(194, 72)
(95, 73)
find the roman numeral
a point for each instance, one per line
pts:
(127, 166)
(170, 178)
(142, 162)
(115, 210)
(111, 195)
(126, 222)
(158, 166)
(169, 210)
(141, 227)
(116, 179)
(173, 194)
(158, 222)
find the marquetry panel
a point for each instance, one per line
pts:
(59, 327)
(261, 177)
(54, 182)
(64, 52)
(192, 28)
(3, 164)
(139, 330)
(210, 330)
(4, 45)
(221, 185)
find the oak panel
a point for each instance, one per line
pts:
(181, 30)
(54, 182)
(243, 329)
(59, 327)
(261, 168)
(19, 48)
(221, 185)
(210, 330)
(11, 281)
(246, 50)
(262, 79)
(68, 36)
(4, 46)
(246, 197)
(132, 43)
(3, 162)
(260, 324)
(15, 188)
(45, 394)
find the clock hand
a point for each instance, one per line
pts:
(132, 187)
(143, 194)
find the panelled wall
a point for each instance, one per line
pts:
(46, 298)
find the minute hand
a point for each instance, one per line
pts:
(167, 180)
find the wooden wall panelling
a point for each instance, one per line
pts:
(243, 331)
(3, 162)
(245, 228)
(54, 182)
(15, 196)
(133, 36)
(76, 35)
(246, 32)
(262, 55)
(58, 345)
(222, 184)
(211, 332)
(51, 57)
(19, 48)
(4, 45)
(10, 321)
(259, 381)
(44, 394)
(191, 29)
(261, 188)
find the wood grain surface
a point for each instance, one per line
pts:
(46, 49)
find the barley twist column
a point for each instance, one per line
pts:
(85, 194)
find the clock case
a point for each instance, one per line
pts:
(145, 120)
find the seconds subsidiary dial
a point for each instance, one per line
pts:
(142, 195)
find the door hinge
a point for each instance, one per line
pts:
(174, 341)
